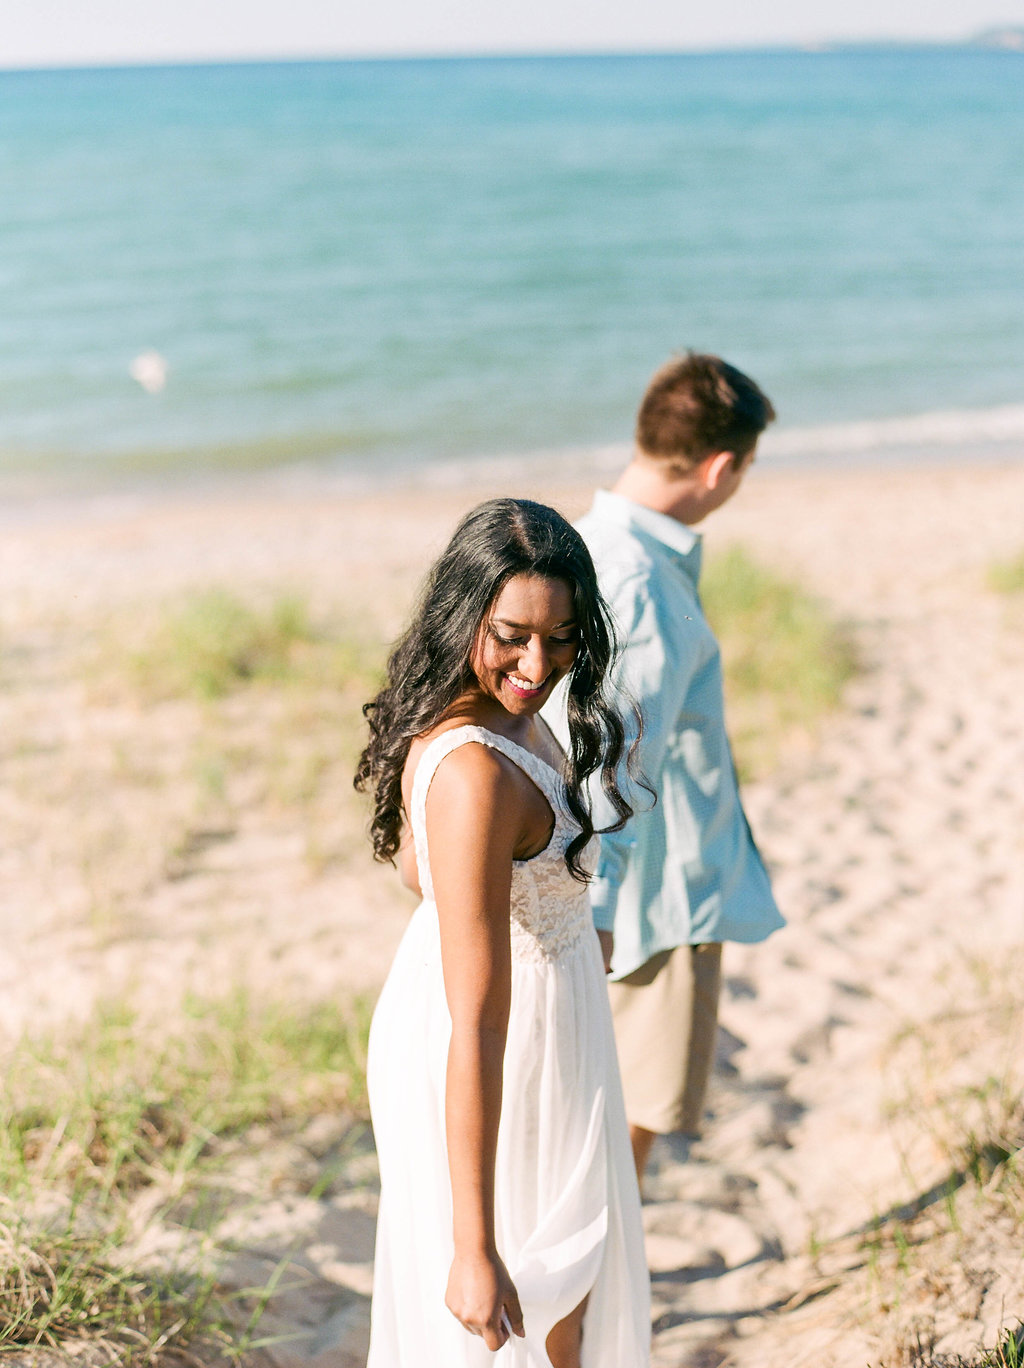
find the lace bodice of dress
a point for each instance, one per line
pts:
(550, 909)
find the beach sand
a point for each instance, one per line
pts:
(816, 1221)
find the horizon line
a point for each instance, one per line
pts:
(810, 47)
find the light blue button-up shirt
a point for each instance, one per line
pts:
(684, 870)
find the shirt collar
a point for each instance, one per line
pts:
(674, 535)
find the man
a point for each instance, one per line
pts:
(684, 875)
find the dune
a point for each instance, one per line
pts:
(830, 1214)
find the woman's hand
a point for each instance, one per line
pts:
(479, 1292)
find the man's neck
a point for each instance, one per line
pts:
(651, 485)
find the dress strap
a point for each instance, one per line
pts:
(547, 780)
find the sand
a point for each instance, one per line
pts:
(854, 1044)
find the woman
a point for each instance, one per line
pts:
(507, 1188)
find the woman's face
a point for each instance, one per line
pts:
(526, 643)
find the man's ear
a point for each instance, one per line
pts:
(716, 465)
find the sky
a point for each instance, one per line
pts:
(95, 32)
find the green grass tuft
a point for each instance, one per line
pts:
(63, 1291)
(124, 1103)
(786, 661)
(1008, 1353)
(87, 1123)
(213, 643)
(1007, 577)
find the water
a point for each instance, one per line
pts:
(367, 264)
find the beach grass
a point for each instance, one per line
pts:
(124, 1103)
(70, 1292)
(124, 1115)
(958, 1086)
(1007, 576)
(918, 1281)
(786, 659)
(213, 642)
(209, 714)
(1008, 1352)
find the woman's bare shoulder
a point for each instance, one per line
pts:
(473, 766)
(477, 768)
(419, 744)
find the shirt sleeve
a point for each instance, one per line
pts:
(651, 674)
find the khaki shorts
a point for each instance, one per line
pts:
(666, 1020)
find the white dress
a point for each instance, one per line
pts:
(567, 1209)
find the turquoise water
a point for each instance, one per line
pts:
(371, 263)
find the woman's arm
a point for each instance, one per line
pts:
(475, 817)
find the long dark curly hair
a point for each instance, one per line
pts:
(429, 668)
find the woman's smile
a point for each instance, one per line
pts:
(523, 687)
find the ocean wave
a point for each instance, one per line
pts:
(941, 434)
(944, 428)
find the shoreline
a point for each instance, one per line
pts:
(836, 450)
